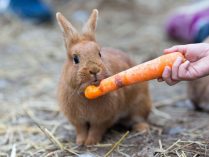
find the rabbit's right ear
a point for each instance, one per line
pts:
(69, 32)
(90, 27)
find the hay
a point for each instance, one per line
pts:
(182, 148)
(117, 144)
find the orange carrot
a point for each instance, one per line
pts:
(143, 72)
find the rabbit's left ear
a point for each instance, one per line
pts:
(90, 26)
(69, 32)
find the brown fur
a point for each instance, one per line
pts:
(92, 118)
(198, 91)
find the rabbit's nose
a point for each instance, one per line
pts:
(94, 71)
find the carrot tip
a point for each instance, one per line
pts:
(92, 92)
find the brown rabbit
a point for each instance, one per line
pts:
(198, 91)
(87, 63)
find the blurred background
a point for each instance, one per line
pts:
(32, 53)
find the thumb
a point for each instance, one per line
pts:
(179, 48)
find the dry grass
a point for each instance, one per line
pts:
(116, 144)
(182, 148)
(32, 138)
(30, 134)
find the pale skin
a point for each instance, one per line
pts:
(195, 66)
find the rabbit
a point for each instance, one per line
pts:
(198, 91)
(88, 63)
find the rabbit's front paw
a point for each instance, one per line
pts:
(81, 134)
(141, 127)
(92, 141)
(80, 140)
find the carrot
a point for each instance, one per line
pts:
(143, 72)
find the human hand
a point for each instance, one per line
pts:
(195, 66)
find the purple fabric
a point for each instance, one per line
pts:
(185, 26)
(197, 19)
(177, 27)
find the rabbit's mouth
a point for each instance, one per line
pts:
(96, 82)
(91, 81)
(83, 86)
(97, 79)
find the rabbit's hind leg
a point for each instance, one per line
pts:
(139, 116)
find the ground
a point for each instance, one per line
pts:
(31, 60)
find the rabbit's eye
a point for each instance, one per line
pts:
(75, 59)
(100, 54)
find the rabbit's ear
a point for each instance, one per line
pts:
(90, 27)
(69, 32)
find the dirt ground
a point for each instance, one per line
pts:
(31, 57)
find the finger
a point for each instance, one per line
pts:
(167, 76)
(166, 73)
(160, 80)
(170, 50)
(175, 69)
(183, 70)
(178, 48)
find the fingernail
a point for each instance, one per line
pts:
(187, 64)
(178, 60)
(166, 51)
(166, 71)
(167, 68)
(160, 80)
